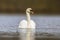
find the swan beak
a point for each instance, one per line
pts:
(32, 12)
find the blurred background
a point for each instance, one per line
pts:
(39, 6)
(47, 25)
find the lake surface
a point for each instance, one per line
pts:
(50, 24)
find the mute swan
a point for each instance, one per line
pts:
(27, 27)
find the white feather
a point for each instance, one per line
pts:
(23, 24)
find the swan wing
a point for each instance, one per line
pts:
(23, 24)
(32, 24)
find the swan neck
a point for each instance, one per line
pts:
(28, 16)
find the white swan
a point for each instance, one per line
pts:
(27, 27)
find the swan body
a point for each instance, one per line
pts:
(27, 27)
(23, 23)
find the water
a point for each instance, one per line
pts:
(50, 24)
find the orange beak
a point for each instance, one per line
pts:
(32, 12)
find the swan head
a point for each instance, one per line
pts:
(29, 10)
